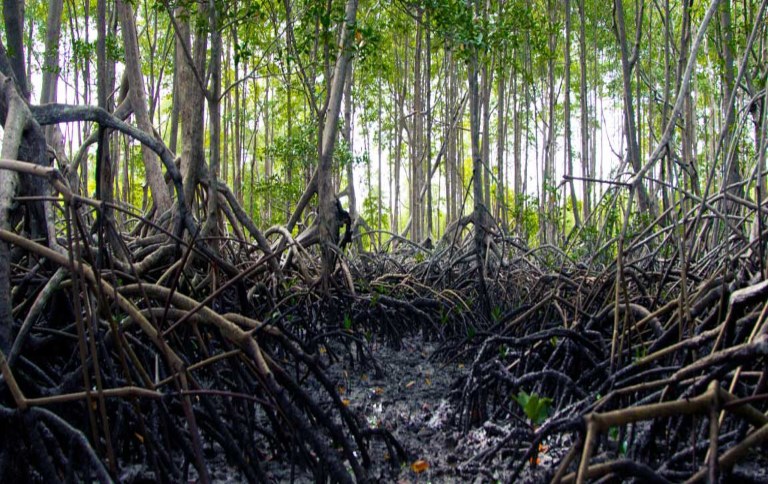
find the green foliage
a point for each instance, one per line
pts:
(525, 209)
(615, 435)
(496, 314)
(370, 214)
(536, 408)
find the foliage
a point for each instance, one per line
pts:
(535, 407)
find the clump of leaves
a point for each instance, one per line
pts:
(536, 408)
(496, 314)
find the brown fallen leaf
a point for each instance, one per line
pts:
(419, 466)
(410, 384)
(345, 402)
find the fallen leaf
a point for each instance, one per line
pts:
(345, 402)
(419, 466)
(378, 390)
(428, 381)
(139, 437)
(342, 390)
(410, 384)
(543, 448)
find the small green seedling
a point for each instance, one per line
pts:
(496, 314)
(536, 408)
(614, 434)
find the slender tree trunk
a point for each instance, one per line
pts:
(175, 106)
(327, 213)
(501, 127)
(448, 135)
(480, 210)
(214, 108)
(104, 167)
(517, 154)
(378, 147)
(485, 150)
(136, 92)
(567, 114)
(733, 172)
(51, 61)
(13, 15)
(427, 164)
(417, 148)
(347, 135)
(191, 98)
(548, 176)
(240, 100)
(633, 149)
(584, 122)
(267, 155)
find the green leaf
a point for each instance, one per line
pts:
(535, 407)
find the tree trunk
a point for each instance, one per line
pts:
(485, 150)
(347, 135)
(191, 98)
(450, 147)
(630, 129)
(327, 211)
(548, 193)
(567, 114)
(378, 146)
(480, 210)
(501, 127)
(214, 110)
(417, 148)
(584, 122)
(13, 15)
(137, 95)
(517, 153)
(733, 172)
(267, 156)
(428, 139)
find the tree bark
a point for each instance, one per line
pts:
(13, 15)
(137, 96)
(584, 122)
(567, 114)
(417, 148)
(191, 97)
(214, 110)
(733, 172)
(480, 214)
(633, 150)
(327, 211)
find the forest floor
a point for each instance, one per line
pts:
(408, 391)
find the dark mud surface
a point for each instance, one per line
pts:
(408, 393)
